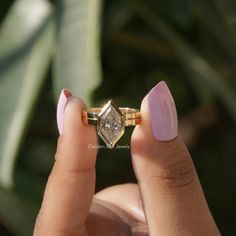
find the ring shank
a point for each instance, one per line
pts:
(132, 116)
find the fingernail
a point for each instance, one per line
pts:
(163, 115)
(61, 105)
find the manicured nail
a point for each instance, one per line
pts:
(61, 105)
(163, 115)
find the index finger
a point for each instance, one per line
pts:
(71, 184)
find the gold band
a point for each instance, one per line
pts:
(132, 116)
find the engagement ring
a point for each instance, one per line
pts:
(111, 121)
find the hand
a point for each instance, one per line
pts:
(168, 199)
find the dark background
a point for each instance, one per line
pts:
(137, 53)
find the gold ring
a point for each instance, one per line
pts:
(111, 121)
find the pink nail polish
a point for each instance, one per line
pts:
(61, 105)
(164, 121)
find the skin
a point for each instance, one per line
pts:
(167, 199)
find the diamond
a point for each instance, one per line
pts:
(116, 126)
(110, 124)
(107, 125)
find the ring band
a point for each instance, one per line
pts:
(111, 121)
(132, 116)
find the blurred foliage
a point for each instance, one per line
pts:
(77, 51)
(21, 59)
(189, 44)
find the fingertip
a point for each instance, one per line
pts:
(150, 142)
(76, 137)
(72, 115)
(67, 103)
(73, 123)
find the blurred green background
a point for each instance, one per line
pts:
(115, 49)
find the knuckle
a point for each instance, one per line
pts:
(180, 174)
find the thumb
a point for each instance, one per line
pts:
(172, 196)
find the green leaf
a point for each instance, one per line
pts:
(176, 12)
(17, 216)
(213, 17)
(206, 79)
(226, 12)
(77, 59)
(25, 50)
(201, 9)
